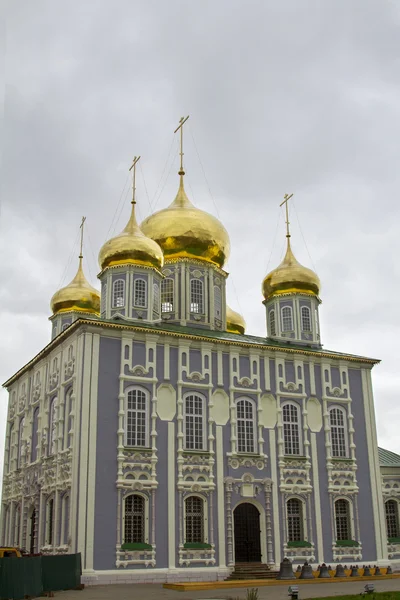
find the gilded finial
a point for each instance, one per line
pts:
(81, 247)
(182, 121)
(285, 202)
(133, 166)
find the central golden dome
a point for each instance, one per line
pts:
(184, 231)
(78, 296)
(290, 277)
(131, 246)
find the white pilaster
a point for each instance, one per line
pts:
(171, 495)
(220, 497)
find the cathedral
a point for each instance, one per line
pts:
(156, 438)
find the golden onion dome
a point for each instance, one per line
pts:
(78, 296)
(290, 277)
(234, 321)
(184, 231)
(131, 246)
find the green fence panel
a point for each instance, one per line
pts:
(61, 572)
(20, 577)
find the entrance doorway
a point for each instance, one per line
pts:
(32, 531)
(246, 518)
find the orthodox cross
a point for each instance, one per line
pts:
(81, 228)
(285, 202)
(182, 121)
(133, 166)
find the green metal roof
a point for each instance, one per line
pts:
(388, 458)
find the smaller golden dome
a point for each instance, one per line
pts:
(131, 246)
(234, 321)
(290, 277)
(78, 296)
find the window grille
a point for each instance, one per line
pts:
(342, 519)
(20, 435)
(245, 426)
(392, 519)
(134, 520)
(272, 322)
(287, 321)
(167, 295)
(53, 426)
(140, 293)
(294, 520)
(136, 419)
(194, 519)
(291, 431)
(50, 522)
(194, 422)
(156, 299)
(196, 296)
(338, 433)
(118, 293)
(103, 298)
(217, 302)
(305, 319)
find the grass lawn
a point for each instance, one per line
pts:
(373, 596)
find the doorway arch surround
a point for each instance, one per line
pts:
(263, 530)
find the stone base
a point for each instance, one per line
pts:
(151, 575)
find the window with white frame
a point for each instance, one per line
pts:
(194, 419)
(156, 299)
(217, 302)
(10, 446)
(316, 322)
(196, 296)
(167, 295)
(136, 432)
(103, 298)
(342, 520)
(287, 319)
(134, 519)
(392, 519)
(245, 417)
(294, 508)
(272, 322)
(140, 293)
(49, 522)
(337, 419)
(305, 318)
(52, 426)
(291, 428)
(118, 293)
(194, 519)
(20, 441)
(35, 424)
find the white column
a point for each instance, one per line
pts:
(274, 477)
(220, 497)
(171, 495)
(317, 498)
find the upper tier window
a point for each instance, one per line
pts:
(156, 299)
(291, 428)
(140, 293)
(194, 422)
(196, 296)
(217, 302)
(305, 318)
(167, 295)
(136, 428)
(287, 319)
(272, 322)
(118, 299)
(337, 418)
(245, 419)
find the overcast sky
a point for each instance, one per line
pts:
(283, 96)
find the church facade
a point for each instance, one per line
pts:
(163, 443)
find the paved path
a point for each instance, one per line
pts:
(151, 591)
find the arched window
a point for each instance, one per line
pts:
(338, 432)
(136, 431)
(194, 520)
(287, 319)
(291, 428)
(305, 318)
(272, 322)
(10, 446)
(103, 298)
(140, 293)
(196, 296)
(194, 418)
(118, 296)
(67, 419)
(167, 295)
(217, 302)
(392, 519)
(49, 522)
(52, 426)
(342, 520)
(35, 423)
(245, 425)
(156, 299)
(294, 508)
(134, 519)
(20, 441)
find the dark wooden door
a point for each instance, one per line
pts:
(247, 533)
